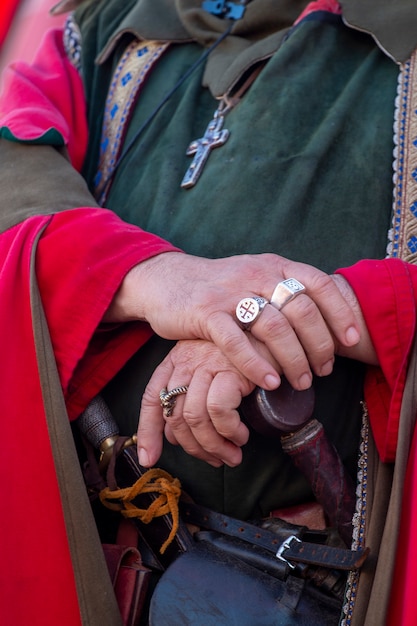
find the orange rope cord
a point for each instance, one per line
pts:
(153, 481)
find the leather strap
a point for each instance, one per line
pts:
(287, 544)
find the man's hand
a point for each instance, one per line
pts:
(187, 297)
(205, 421)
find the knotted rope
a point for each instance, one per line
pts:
(153, 481)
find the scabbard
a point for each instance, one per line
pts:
(316, 457)
(287, 415)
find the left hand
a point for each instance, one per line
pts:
(205, 421)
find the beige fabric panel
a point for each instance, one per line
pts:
(98, 606)
(26, 191)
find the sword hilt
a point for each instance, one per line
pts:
(98, 426)
(274, 413)
(287, 415)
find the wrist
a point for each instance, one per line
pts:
(139, 290)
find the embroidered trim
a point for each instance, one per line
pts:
(128, 78)
(403, 234)
(402, 244)
(72, 42)
(359, 518)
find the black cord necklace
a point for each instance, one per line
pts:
(178, 84)
(220, 8)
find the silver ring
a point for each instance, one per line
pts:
(285, 291)
(249, 309)
(168, 398)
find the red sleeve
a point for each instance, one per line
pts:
(386, 291)
(81, 260)
(44, 102)
(36, 578)
(8, 9)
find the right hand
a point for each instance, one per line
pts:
(188, 297)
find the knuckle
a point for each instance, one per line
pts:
(175, 421)
(230, 343)
(225, 426)
(296, 363)
(215, 409)
(251, 363)
(192, 420)
(307, 311)
(305, 315)
(323, 350)
(276, 325)
(211, 448)
(195, 450)
(321, 281)
(146, 402)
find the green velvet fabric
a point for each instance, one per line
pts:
(51, 138)
(308, 159)
(306, 173)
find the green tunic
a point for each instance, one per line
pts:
(306, 173)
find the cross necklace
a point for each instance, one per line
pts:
(215, 135)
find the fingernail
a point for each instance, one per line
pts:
(352, 336)
(272, 382)
(327, 368)
(143, 457)
(304, 381)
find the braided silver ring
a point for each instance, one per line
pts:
(168, 398)
(285, 291)
(249, 309)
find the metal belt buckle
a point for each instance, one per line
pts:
(284, 546)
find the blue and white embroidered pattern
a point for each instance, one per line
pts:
(129, 76)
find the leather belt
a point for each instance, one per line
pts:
(287, 544)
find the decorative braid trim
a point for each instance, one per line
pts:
(402, 244)
(359, 520)
(403, 234)
(72, 42)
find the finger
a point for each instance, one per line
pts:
(224, 445)
(225, 332)
(335, 309)
(179, 432)
(151, 420)
(223, 399)
(298, 338)
(363, 351)
(153, 425)
(313, 333)
(150, 431)
(276, 332)
(169, 435)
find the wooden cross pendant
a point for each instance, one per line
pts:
(214, 137)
